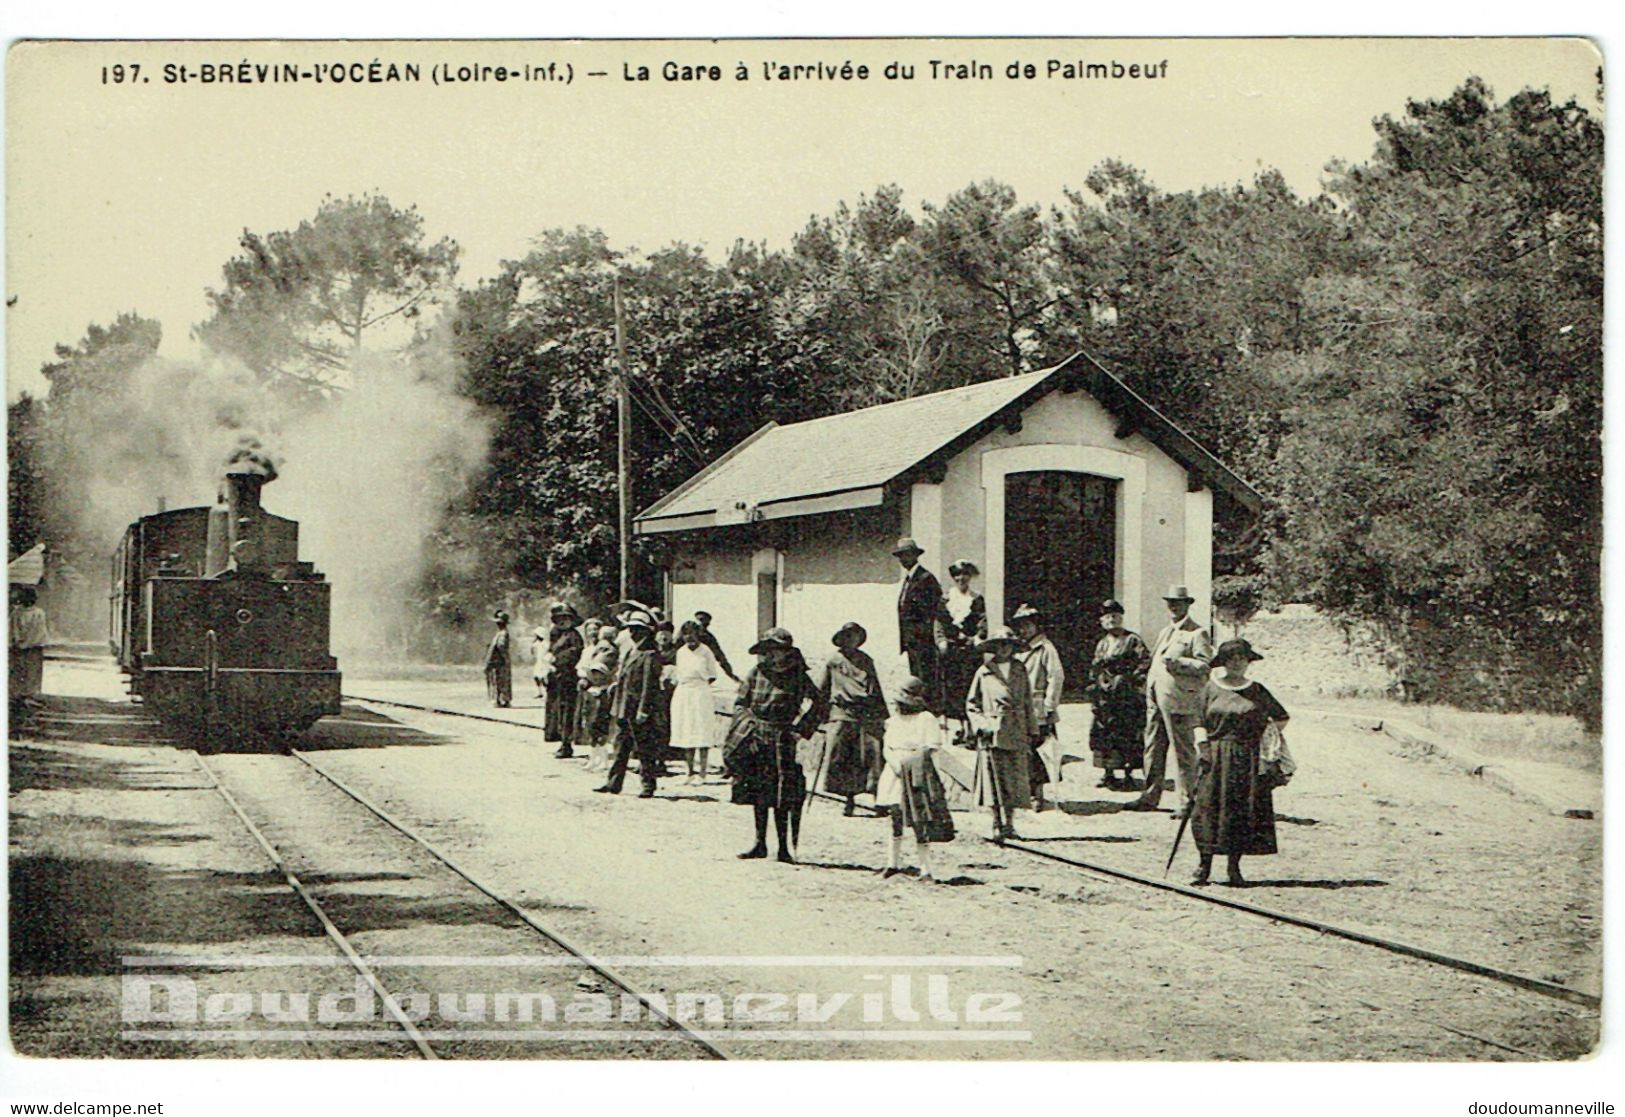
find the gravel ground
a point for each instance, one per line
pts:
(1370, 838)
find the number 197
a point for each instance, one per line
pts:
(119, 73)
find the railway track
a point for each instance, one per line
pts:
(368, 969)
(1541, 987)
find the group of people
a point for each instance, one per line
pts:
(635, 686)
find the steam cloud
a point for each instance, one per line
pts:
(366, 473)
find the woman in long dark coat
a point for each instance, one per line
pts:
(1234, 811)
(565, 646)
(1117, 690)
(772, 710)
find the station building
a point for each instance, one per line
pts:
(1063, 486)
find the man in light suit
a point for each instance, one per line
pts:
(920, 615)
(1173, 698)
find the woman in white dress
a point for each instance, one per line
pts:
(693, 710)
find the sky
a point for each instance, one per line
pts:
(132, 196)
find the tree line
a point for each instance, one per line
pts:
(1408, 366)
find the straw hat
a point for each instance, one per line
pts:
(1231, 648)
(771, 639)
(1000, 635)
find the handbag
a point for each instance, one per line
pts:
(1275, 761)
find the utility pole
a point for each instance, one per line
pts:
(623, 408)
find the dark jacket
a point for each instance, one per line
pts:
(637, 691)
(921, 615)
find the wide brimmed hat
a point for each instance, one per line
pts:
(963, 566)
(500, 615)
(1231, 648)
(541, 633)
(850, 626)
(622, 606)
(1111, 605)
(771, 639)
(907, 546)
(910, 696)
(1178, 592)
(1000, 635)
(1025, 612)
(640, 618)
(560, 608)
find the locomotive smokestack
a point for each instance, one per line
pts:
(235, 522)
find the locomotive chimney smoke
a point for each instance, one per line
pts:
(235, 524)
(250, 459)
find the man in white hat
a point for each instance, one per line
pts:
(1173, 701)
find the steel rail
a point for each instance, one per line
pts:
(1552, 989)
(328, 926)
(603, 969)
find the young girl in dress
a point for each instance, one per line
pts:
(693, 710)
(909, 786)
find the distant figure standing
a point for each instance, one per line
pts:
(1234, 809)
(1000, 705)
(920, 615)
(709, 639)
(850, 685)
(635, 708)
(693, 709)
(499, 664)
(777, 703)
(966, 624)
(1173, 701)
(1047, 678)
(564, 648)
(909, 786)
(1117, 690)
(27, 649)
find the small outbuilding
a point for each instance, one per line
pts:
(1063, 486)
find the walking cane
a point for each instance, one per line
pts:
(985, 751)
(818, 770)
(1201, 785)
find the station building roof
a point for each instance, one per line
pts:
(847, 460)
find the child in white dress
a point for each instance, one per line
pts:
(909, 785)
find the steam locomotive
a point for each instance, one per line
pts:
(222, 630)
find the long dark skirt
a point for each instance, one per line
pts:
(1010, 769)
(1234, 811)
(27, 671)
(959, 666)
(852, 759)
(1117, 735)
(562, 700)
(761, 759)
(499, 683)
(921, 802)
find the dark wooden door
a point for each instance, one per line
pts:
(1060, 555)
